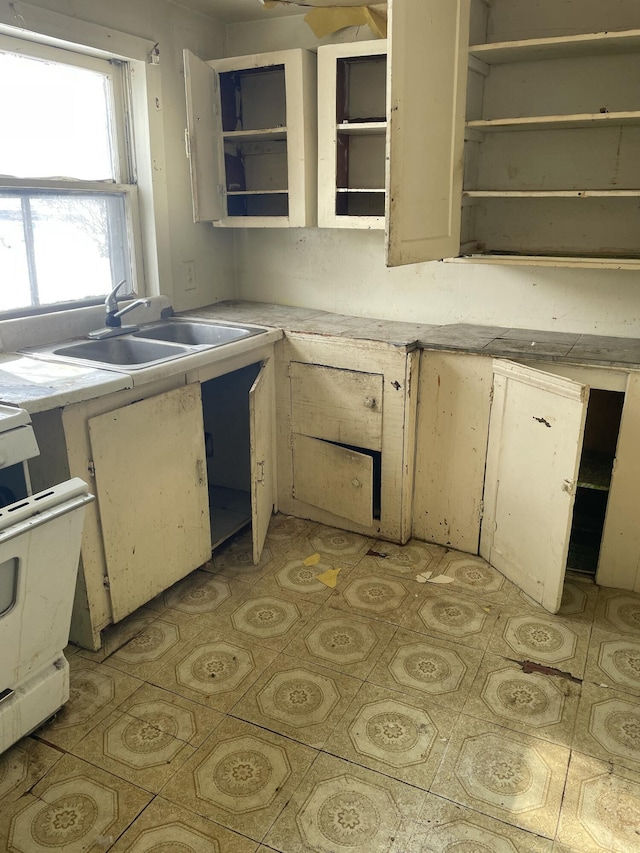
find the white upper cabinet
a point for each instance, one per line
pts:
(548, 132)
(251, 139)
(352, 134)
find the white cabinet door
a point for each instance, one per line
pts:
(263, 487)
(428, 57)
(535, 442)
(204, 127)
(151, 485)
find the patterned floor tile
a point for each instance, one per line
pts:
(75, 808)
(138, 750)
(614, 660)
(428, 668)
(199, 596)
(338, 547)
(541, 705)
(286, 534)
(400, 736)
(154, 645)
(475, 577)
(342, 807)
(115, 636)
(271, 620)
(215, 669)
(404, 560)
(290, 575)
(166, 828)
(578, 601)
(443, 613)
(299, 700)
(444, 827)
(241, 777)
(234, 559)
(376, 596)
(22, 766)
(608, 726)
(601, 808)
(545, 639)
(342, 641)
(618, 610)
(504, 774)
(94, 692)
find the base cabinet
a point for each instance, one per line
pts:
(561, 445)
(346, 419)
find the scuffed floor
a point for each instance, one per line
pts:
(253, 708)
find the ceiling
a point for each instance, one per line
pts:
(230, 11)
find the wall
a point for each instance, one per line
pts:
(179, 239)
(343, 271)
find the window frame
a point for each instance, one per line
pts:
(141, 149)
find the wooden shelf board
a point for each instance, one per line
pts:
(354, 190)
(363, 128)
(551, 193)
(595, 471)
(470, 254)
(588, 44)
(554, 122)
(266, 134)
(256, 192)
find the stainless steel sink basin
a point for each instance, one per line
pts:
(120, 351)
(195, 334)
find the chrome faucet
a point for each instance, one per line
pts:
(112, 320)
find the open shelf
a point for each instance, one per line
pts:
(551, 193)
(270, 133)
(631, 117)
(563, 47)
(595, 470)
(363, 127)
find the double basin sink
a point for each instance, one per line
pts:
(149, 345)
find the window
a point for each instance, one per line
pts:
(67, 184)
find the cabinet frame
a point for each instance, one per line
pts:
(206, 138)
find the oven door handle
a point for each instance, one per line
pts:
(40, 518)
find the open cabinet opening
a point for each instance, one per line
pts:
(602, 427)
(225, 406)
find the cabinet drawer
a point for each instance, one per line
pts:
(333, 478)
(338, 405)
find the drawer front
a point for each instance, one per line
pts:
(338, 405)
(333, 478)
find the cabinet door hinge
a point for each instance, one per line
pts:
(91, 468)
(491, 395)
(106, 583)
(481, 511)
(293, 491)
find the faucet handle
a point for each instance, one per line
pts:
(112, 299)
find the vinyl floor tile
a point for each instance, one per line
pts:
(614, 660)
(446, 827)
(215, 669)
(542, 638)
(344, 642)
(608, 726)
(75, 808)
(601, 808)
(532, 703)
(342, 807)
(22, 766)
(578, 601)
(298, 699)
(399, 736)
(199, 596)
(165, 827)
(473, 576)
(290, 575)
(404, 560)
(375, 595)
(427, 668)
(94, 692)
(234, 559)
(504, 774)
(241, 777)
(338, 547)
(441, 612)
(618, 610)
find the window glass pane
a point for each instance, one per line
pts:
(76, 242)
(59, 118)
(14, 272)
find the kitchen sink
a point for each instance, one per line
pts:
(194, 334)
(120, 351)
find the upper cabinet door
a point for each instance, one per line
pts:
(535, 442)
(262, 426)
(428, 57)
(204, 127)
